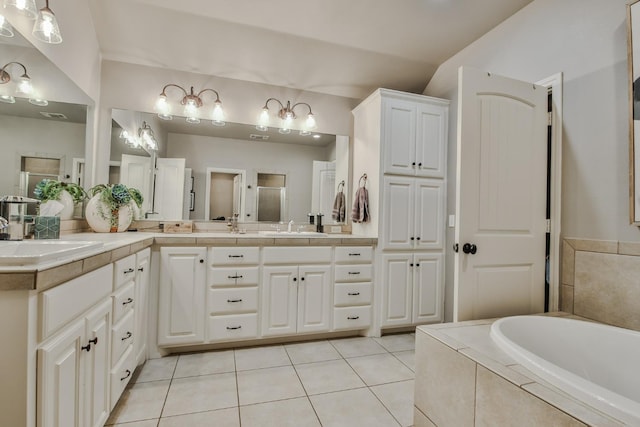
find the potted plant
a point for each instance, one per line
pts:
(112, 207)
(67, 193)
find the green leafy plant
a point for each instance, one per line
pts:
(50, 189)
(113, 197)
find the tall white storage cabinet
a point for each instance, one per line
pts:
(400, 143)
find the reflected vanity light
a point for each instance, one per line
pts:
(24, 7)
(23, 86)
(286, 115)
(146, 138)
(192, 103)
(6, 30)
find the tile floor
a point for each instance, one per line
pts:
(347, 382)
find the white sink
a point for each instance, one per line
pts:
(306, 234)
(29, 252)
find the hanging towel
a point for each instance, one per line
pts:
(360, 211)
(338, 214)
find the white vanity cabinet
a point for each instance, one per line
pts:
(181, 296)
(353, 289)
(296, 295)
(74, 357)
(232, 293)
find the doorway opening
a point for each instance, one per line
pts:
(224, 194)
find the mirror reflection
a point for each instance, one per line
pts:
(219, 171)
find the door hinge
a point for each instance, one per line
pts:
(548, 226)
(549, 118)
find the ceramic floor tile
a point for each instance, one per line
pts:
(324, 377)
(204, 393)
(147, 423)
(316, 351)
(265, 385)
(351, 408)
(398, 399)
(282, 413)
(213, 362)
(261, 357)
(156, 369)
(397, 342)
(220, 418)
(380, 369)
(361, 346)
(408, 358)
(142, 401)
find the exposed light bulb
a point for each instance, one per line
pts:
(311, 122)
(190, 111)
(163, 109)
(218, 114)
(263, 120)
(24, 7)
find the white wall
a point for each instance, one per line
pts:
(295, 160)
(586, 41)
(33, 137)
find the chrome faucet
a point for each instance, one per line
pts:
(289, 226)
(4, 224)
(234, 223)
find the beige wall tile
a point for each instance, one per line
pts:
(629, 248)
(500, 403)
(17, 281)
(119, 253)
(48, 278)
(96, 261)
(602, 246)
(445, 383)
(568, 254)
(420, 419)
(606, 288)
(566, 298)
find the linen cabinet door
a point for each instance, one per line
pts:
(428, 285)
(429, 219)
(399, 135)
(314, 299)
(279, 300)
(181, 312)
(431, 137)
(398, 213)
(397, 289)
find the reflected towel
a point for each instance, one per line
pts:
(339, 210)
(360, 211)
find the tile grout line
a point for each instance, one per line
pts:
(306, 393)
(175, 368)
(235, 371)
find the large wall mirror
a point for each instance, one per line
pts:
(237, 169)
(633, 36)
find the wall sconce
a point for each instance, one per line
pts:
(23, 87)
(192, 103)
(287, 115)
(6, 30)
(147, 138)
(46, 28)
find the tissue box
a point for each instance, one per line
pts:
(47, 227)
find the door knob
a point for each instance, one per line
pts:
(455, 248)
(469, 248)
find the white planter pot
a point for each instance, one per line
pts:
(69, 205)
(101, 220)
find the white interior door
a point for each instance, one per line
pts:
(323, 188)
(500, 197)
(169, 189)
(135, 171)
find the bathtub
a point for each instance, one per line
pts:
(595, 363)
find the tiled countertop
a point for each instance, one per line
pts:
(119, 245)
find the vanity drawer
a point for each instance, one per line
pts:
(123, 301)
(124, 270)
(226, 301)
(354, 254)
(347, 294)
(229, 328)
(234, 255)
(233, 276)
(297, 255)
(121, 374)
(353, 273)
(351, 317)
(122, 336)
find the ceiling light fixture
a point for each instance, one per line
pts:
(287, 116)
(46, 27)
(6, 30)
(24, 7)
(192, 103)
(23, 86)
(147, 138)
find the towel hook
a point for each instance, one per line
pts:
(362, 178)
(341, 184)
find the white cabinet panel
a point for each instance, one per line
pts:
(429, 221)
(234, 255)
(397, 289)
(98, 324)
(123, 301)
(279, 300)
(142, 307)
(314, 299)
(351, 317)
(122, 336)
(233, 327)
(399, 134)
(431, 140)
(353, 254)
(347, 294)
(353, 273)
(398, 213)
(428, 298)
(124, 270)
(297, 255)
(233, 276)
(227, 301)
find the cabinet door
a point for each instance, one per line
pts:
(141, 309)
(314, 298)
(97, 365)
(398, 213)
(399, 134)
(396, 289)
(279, 300)
(181, 308)
(428, 288)
(431, 136)
(60, 378)
(429, 219)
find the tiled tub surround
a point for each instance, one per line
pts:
(464, 379)
(600, 281)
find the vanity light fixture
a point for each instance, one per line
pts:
(192, 103)
(6, 30)
(147, 138)
(287, 116)
(46, 27)
(24, 7)
(23, 87)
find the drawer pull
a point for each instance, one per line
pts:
(354, 272)
(235, 300)
(231, 328)
(236, 256)
(355, 254)
(94, 341)
(234, 277)
(129, 270)
(127, 336)
(141, 269)
(86, 347)
(353, 317)
(126, 376)
(353, 294)
(128, 301)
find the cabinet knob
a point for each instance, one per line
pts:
(302, 278)
(141, 269)
(411, 265)
(201, 261)
(412, 238)
(417, 238)
(413, 164)
(295, 279)
(86, 347)
(420, 164)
